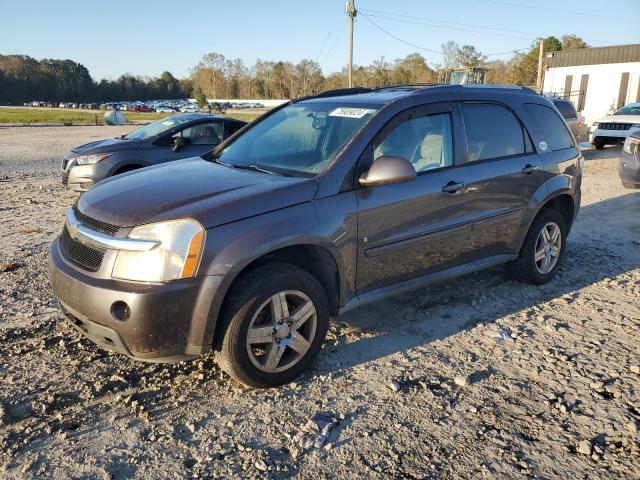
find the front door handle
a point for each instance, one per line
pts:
(453, 187)
(529, 169)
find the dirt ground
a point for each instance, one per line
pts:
(480, 377)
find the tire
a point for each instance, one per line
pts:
(599, 144)
(525, 268)
(250, 305)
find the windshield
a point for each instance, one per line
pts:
(629, 110)
(302, 139)
(156, 128)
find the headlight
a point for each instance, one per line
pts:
(631, 145)
(176, 256)
(90, 159)
(595, 125)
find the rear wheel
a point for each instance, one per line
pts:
(273, 325)
(543, 249)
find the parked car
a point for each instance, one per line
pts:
(629, 166)
(166, 109)
(172, 138)
(322, 205)
(570, 115)
(613, 130)
(191, 108)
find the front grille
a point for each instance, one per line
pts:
(65, 178)
(82, 255)
(93, 224)
(614, 126)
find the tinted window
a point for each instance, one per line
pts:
(553, 130)
(492, 131)
(204, 134)
(425, 141)
(566, 109)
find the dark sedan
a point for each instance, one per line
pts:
(172, 138)
(629, 166)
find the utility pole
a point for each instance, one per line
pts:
(351, 12)
(540, 55)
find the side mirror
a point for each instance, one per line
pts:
(388, 170)
(178, 143)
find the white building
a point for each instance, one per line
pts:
(597, 80)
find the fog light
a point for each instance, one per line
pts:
(120, 311)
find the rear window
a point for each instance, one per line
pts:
(552, 130)
(566, 109)
(492, 131)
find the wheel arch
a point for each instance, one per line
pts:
(315, 259)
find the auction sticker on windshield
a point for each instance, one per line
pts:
(350, 112)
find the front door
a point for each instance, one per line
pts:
(413, 228)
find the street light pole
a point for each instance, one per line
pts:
(351, 12)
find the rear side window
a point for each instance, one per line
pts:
(566, 109)
(492, 131)
(552, 130)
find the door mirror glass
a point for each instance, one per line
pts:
(388, 170)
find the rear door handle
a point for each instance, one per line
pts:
(529, 169)
(453, 187)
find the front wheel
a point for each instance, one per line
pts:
(273, 325)
(599, 144)
(543, 249)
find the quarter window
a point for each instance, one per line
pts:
(425, 141)
(552, 130)
(492, 131)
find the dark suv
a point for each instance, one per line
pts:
(324, 204)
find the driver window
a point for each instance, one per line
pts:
(425, 141)
(203, 134)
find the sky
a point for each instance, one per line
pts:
(145, 37)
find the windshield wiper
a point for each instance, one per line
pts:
(253, 168)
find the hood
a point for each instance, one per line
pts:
(209, 192)
(620, 119)
(104, 146)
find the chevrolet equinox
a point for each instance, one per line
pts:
(323, 204)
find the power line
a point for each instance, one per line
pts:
(322, 46)
(450, 27)
(449, 22)
(572, 12)
(367, 17)
(416, 20)
(335, 41)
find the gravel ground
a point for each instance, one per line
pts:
(481, 377)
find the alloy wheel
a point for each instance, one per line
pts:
(548, 248)
(281, 331)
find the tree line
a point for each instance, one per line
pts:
(23, 78)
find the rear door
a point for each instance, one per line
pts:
(503, 174)
(413, 228)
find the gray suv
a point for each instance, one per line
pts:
(322, 205)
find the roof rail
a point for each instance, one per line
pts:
(409, 85)
(338, 92)
(488, 86)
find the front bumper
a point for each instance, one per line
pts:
(610, 137)
(81, 178)
(168, 322)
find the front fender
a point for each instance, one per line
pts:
(329, 223)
